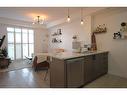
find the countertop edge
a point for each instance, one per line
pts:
(77, 55)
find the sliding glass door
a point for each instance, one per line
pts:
(20, 42)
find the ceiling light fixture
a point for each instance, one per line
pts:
(68, 17)
(38, 20)
(82, 22)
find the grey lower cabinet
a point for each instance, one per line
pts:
(88, 69)
(95, 66)
(58, 73)
(100, 63)
(75, 72)
(67, 73)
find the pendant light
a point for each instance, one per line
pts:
(68, 17)
(82, 22)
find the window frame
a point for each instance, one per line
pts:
(14, 42)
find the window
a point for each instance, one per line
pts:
(20, 42)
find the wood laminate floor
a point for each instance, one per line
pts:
(23, 78)
(108, 81)
(27, 78)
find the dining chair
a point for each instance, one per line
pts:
(44, 65)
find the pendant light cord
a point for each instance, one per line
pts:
(81, 13)
(38, 19)
(68, 13)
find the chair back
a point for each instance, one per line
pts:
(35, 61)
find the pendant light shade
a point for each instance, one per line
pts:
(81, 16)
(82, 22)
(68, 17)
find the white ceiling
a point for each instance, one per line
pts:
(50, 13)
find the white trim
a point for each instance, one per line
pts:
(19, 23)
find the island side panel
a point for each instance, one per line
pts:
(57, 73)
(75, 72)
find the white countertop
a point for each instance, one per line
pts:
(68, 55)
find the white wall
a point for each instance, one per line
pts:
(3, 32)
(117, 48)
(41, 40)
(70, 29)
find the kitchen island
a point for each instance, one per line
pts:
(69, 69)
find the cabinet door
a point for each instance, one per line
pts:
(100, 62)
(104, 63)
(88, 69)
(96, 59)
(75, 72)
(57, 73)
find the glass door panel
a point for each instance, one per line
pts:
(31, 36)
(31, 49)
(24, 36)
(17, 37)
(25, 50)
(18, 43)
(10, 37)
(11, 51)
(18, 51)
(10, 29)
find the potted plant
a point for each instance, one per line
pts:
(4, 52)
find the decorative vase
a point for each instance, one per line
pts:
(93, 42)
